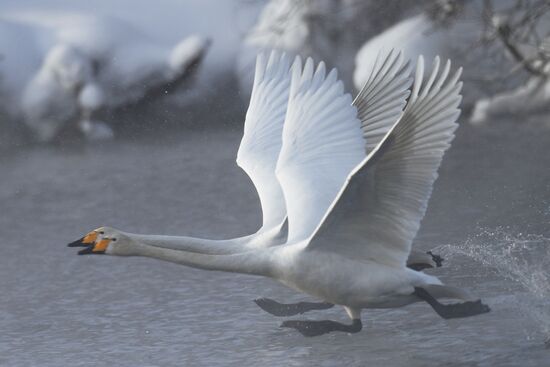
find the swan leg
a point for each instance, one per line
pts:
(419, 266)
(316, 328)
(438, 260)
(419, 260)
(452, 311)
(290, 309)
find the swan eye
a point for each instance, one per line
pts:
(114, 239)
(101, 232)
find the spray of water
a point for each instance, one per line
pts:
(522, 259)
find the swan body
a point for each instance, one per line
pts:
(374, 285)
(367, 284)
(352, 218)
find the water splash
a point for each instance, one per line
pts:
(523, 259)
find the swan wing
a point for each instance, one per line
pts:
(261, 142)
(383, 97)
(322, 142)
(378, 210)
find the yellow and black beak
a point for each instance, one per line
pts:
(85, 241)
(97, 248)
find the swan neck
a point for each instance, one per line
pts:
(251, 262)
(192, 244)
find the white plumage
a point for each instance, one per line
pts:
(379, 209)
(262, 140)
(352, 218)
(312, 165)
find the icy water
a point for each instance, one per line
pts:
(489, 216)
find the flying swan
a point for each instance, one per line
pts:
(379, 104)
(349, 234)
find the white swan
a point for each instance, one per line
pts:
(356, 254)
(379, 105)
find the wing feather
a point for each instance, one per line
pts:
(262, 141)
(325, 136)
(383, 97)
(322, 142)
(378, 211)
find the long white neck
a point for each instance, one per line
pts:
(265, 237)
(193, 244)
(255, 262)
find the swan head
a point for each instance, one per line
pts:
(104, 240)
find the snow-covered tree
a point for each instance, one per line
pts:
(76, 66)
(329, 30)
(521, 30)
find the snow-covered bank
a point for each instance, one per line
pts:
(328, 30)
(62, 61)
(496, 82)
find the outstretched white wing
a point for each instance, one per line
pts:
(383, 97)
(322, 135)
(262, 139)
(378, 211)
(322, 142)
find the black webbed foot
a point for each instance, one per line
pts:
(438, 260)
(316, 328)
(280, 309)
(464, 309)
(452, 311)
(419, 266)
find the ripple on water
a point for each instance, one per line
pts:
(524, 261)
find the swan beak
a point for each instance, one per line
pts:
(96, 249)
(85, 241)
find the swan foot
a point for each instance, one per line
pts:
(452, 311)
(419, 266)
(316, 328)
(290, 309)
(438, 260)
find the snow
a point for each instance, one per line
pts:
(186, 51)
(104, 54)
(60, 57)
(91, 97)
(49, 97)
(96, 130)
(281, 25)
(415, 36)
(168, 20)
(410, 36)
(534, 96)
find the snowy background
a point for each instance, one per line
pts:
(129, 113)
(70, 68)
(64, 64)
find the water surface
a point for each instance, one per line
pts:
(59, 309)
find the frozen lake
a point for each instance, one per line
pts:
(492, 203)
